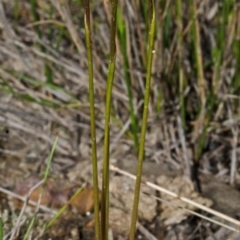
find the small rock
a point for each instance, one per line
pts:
(122, 192)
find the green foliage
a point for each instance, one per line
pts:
(61, 210)
(46, 174)
(110, 78)
(92, 118)
(30, 227)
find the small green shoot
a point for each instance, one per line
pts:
(60, 212)
(31, 225)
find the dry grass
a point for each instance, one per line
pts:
(34, 110)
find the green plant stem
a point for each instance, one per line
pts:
(92, 119)
(34, 218)
(201, 83)
(60, 212)
(218, 50)
(145, 115)
(110, 77)
(16, 13)
(30, 227)
(198, 54)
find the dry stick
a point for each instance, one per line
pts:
(234, 155)
(140, 53)
(67, 64)
(41, 117)
(4, 22)
(16, 84)
(8, 234)
(186, 30)
(161, 189)
(10, 34)
(165, 10)
(124, 129)
(234, 145)
(145, 232)
(42, 22)
(191, 21)
(14, 230)
(72, 68)
(32, 131)
(63, 62)
(12, 194)
(194, 213)
(71, 28)
(78, 42)
(59, 5)
(183, 143)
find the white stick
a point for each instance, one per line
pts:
(204, 208)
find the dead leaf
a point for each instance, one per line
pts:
(51, 196)
(23, 188)
(84, 201)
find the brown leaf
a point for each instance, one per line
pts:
(84, 201)
(23, 188)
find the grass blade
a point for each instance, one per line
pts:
(92, 119)
(145, 115)
(31, 225)
(60, 212)
(110, 77)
